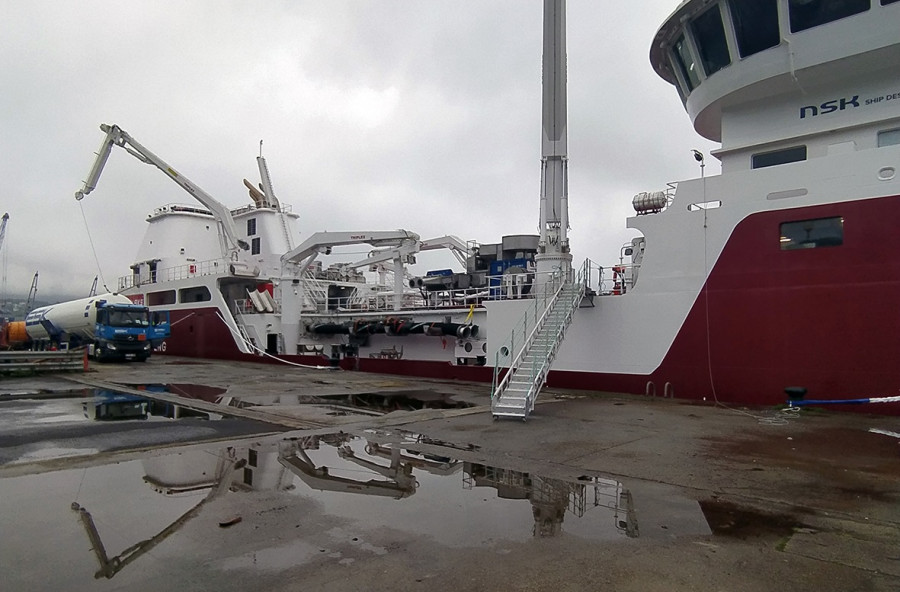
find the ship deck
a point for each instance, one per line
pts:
(718, 498)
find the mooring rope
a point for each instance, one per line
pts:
(265, 353)
(93, 250)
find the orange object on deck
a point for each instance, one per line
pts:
(15, 333)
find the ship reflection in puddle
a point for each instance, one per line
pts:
(98, 404)
(596, 508)
(376, 403)
(108, 405)
(380, 485)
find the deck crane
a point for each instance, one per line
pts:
(405, 252)
(116, 136)
(297, 261)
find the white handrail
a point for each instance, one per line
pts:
(537, 326)
(538, 371)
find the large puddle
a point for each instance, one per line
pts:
(292, 501)
(97, 405)
(109, 405)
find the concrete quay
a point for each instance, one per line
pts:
(657, 494)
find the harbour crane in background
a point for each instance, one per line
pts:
(3, 223)
(5, 219)
(32, 294)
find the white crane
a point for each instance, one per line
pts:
(116, 136)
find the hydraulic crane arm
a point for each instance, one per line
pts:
(116, 136)
(322, 242)
(408, 248)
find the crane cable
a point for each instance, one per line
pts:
(93, 250)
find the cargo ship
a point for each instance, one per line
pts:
(781, 272)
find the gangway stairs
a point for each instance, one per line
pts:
(539, 334)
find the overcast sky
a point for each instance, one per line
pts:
(375, 115)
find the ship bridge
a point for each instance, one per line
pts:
(811, 66)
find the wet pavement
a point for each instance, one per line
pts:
(222, 476)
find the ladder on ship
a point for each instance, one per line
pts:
(537, 336)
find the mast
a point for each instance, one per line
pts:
(553, 249)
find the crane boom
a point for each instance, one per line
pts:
(116, 136)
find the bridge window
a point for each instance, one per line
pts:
(198, 294)
(776, 157)
(889, 137)
(254, 246)
(812, 234)
(685, 62)
(251, 226)
(755, 25)
(709, 32)
(161, 298)
(806, 14)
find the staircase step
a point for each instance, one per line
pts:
(510, 405)
(516, 396)
(516, 415)
(518, 387)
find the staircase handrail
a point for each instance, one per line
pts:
(579, 285)
(582, 283)
(558, 282)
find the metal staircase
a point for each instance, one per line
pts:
(534, 343)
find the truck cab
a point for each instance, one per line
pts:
(128, 331)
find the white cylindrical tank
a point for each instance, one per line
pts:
(75, 317)
(649, 203)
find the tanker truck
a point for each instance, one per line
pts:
(110, 325)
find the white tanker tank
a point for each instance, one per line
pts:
(77, 318)
(110, 325)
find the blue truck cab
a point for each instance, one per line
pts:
(128, 331)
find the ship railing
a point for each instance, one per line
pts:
(671, 189)
(194, 209)
(180, 208)
(179, 272)
(282, 207)
(616, 280)
(366, 298)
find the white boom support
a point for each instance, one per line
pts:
(116, 136)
